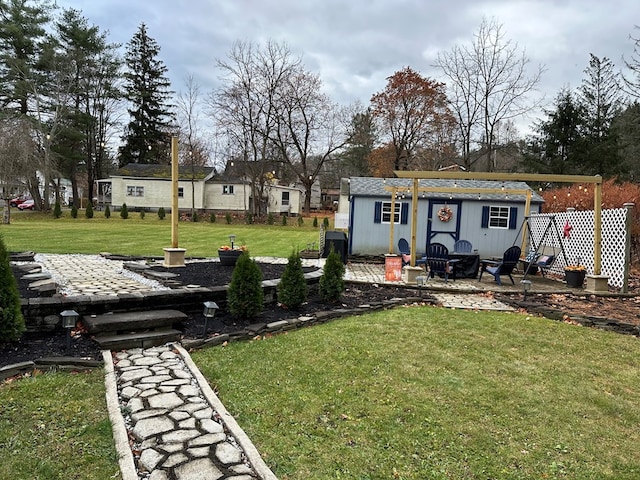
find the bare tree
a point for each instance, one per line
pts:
(632, 82)
(489, 84)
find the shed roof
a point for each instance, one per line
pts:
(143, 170)
(375, 187)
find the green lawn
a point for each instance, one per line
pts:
(423, 392)
(41, 233)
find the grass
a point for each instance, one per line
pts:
(55, 426)
(428, 393)
(41, 233)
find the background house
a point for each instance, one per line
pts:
(490, 221)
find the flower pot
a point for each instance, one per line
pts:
(229, 257)
(574, 278)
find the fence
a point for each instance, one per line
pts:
(578, 246)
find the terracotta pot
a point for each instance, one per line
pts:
(229, 257)
(574, 278)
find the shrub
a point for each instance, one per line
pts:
(124, 213)
(11, 319)
(245, 297)
(161, 213)
(292, 289)
(194, 217)
(74, 211)
(142, 214)
(212, 218)
(315, 222)
(270, 219)
(89, 211)
(332, 281)
(107, 212)
(228, 218)
(325, 222)
(284, 220)
(57, 210)
(248, 218)
(300, 221)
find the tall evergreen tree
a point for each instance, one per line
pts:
(148, 134)
(11, 319)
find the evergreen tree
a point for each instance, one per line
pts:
(245, 296)
(11, 319)
(147, 89)
(74, 211)
(332, 279)
(161, 213)
(292, 289)
(57, 210)
(89, 211)
(107, 212)
(124, 213)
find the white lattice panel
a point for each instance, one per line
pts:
(578, 246)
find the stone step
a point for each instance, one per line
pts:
(142, 339)
(132, 321)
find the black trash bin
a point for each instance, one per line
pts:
(339, 242)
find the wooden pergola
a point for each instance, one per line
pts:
(415, 176)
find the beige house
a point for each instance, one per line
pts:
(148, 187)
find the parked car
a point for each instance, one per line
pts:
(14, 202)
(27, 205)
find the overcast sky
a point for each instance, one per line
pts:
(354, 45)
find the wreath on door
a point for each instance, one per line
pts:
(445, 214)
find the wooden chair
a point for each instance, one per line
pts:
(462, 246)
(509, 261)
(438, 260)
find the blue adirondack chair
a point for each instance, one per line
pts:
(462, 246)
(438, 260)
(509, 261)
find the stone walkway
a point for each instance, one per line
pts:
(158, 397)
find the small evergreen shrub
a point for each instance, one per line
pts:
(11, 319)
(161, 213)
(74, 211)
(142, 214)
(124, 213)
(194, 217)
(300, 220)
(89, 211)
(245, 297)
(284, 220)
(107, 212)
(315, 222)
(292, 289)
(332, 279)
(212, 217)
(228, 218)
(325, 222)
(248, 218)
(270, 219)
(57, 210)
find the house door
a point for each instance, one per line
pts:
(443, 225)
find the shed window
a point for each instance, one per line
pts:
(135, 191)
(499, 217)
(382, 212)
(227, 189)
(285, 198)
(181, 192)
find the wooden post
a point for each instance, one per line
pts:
(414, 220)
(393, 216)
(175, 214)
(597, 226)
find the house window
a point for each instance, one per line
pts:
(227, 189)
(134, 191)
(285, 198)
(181, 192)
(499, 217)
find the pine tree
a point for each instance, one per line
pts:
(57, 210)
(292, 289)
(11, 319)
(107, 212)
(245, 296)
(147, 90)
(89, 211)
(124, 213)
(332, 281)
(161, 213)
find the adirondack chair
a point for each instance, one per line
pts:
(504, 267)
(462, 246)
(405, 251)
(438, 261)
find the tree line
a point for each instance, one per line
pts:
(74, 106)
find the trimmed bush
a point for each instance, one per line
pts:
(248, 218)
(74, 211)
(161, 213)
(315, 222)
(212, 218)
(270, 219)
(300, 221)
(57, 210)
(332, 279)
(194, 217)
(89, 211)
(124, 213)
(292, 289)
(245, 297)
(142, 214)
(284, 220)
(325, 222)
(107, 212)
(11, 319)
(228, 218)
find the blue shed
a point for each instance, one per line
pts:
(487, 213)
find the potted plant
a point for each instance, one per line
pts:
(574, 275)
(229, 254)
